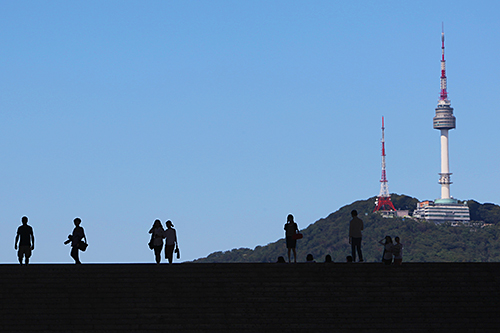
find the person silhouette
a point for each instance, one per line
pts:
(355, 228)
(397, 251)
(387, 255)
(26, 240)
(291, 229)
(76, 238)
(170, 242)
(310, 259)
(157, 233)
(281, 260)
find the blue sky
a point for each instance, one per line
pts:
(226, 116)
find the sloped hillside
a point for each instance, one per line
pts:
(423, 241)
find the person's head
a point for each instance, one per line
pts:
(354, 213)
(309, 257)
(281, 260)
(24, 220)
(169, 224)
(289, 218)
(348, 259)
(157, 224)
(328, 258)
(77, 221)
(388, 239)
(396, 239)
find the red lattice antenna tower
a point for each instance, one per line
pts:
(383, 201)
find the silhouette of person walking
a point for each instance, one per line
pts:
(355, 235)
(387, 256)
(291, 229)
(76, 240)
(157, 233)
(26, 240)
(170, 242)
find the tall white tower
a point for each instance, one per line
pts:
(444, 121)
(445, 209)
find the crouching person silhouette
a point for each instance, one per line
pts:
(76, 240)
(26, 240)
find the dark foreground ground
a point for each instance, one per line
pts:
(423, 297)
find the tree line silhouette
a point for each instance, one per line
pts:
(423, 241)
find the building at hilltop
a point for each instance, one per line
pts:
(445, 209)
(442, 210)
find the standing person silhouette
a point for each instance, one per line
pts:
(158, 233)
(170, 242)
(76, 238)
(355, 235)
(397, 251)
(387, 255)
(26, 240)
(291, 229)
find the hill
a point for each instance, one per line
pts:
(423, 241)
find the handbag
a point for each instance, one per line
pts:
(151, 242)
(82, 246)
(297, 236)
(178, 252)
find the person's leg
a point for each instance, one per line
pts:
(20, 255)
(169, 253)
(27, 255)
(288, 242)
(356, 247)
(158, 254)
(360, 254)
(74, 254)
(294, 255)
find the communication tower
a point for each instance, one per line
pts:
(445, 209)
(444, 121)
(383, 202)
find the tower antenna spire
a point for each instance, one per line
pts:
(383, 201)
(443, 96)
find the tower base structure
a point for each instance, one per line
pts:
(442, 210)
(384, 203)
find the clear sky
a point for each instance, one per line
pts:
(225, 116)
